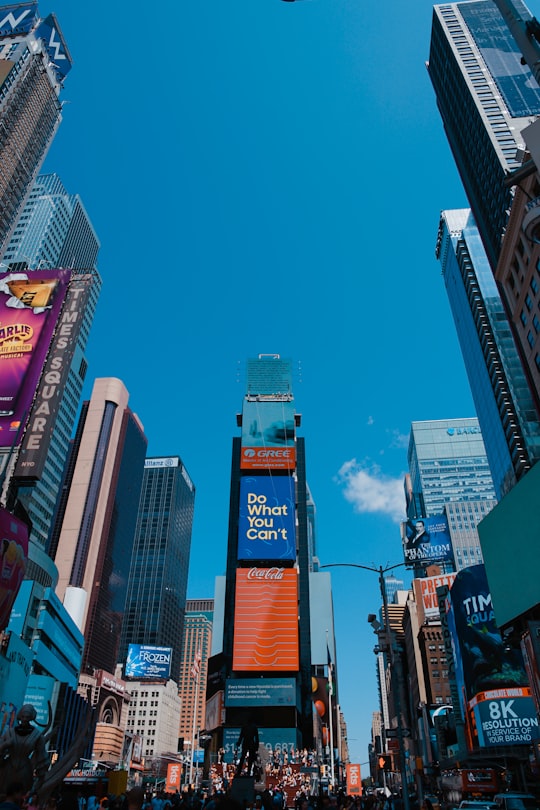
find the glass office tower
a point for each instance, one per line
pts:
(157, 584)
(447, 462)
(34, 61)
(485, 97)
(503, 400)
(54, 230)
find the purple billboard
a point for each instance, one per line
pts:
(266, 525)
(30, 304)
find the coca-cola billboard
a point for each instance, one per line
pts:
(266, 620)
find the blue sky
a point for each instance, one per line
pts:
(267, 177)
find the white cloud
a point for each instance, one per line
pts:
(370, 420)
(398, 439)
(371, 491)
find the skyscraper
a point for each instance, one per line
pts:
(269, 649)
(54, 230)
(447, 462)
(157, 584)
(504, 404)
(485, 97)
(34, 61)
(196, 645)
(93, 538)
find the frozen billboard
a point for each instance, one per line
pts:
(146, 661)
(30, 304)
(426, 540)
(268, 436)
(266, 526)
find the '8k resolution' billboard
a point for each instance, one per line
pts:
(266, 527)
(30, 304)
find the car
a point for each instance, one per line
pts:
(478, 804)
(516, 801)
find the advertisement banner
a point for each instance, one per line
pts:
(174, 777)
(505, 717)
(481, 653)
(13, 557)
(266, 526)
(260, 692)
(37, 437)
(426, 540)
(268, 435)
(354, 780)
(30, 305)
(146, 661)
(266, 620)
(425, 594)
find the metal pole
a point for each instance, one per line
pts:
(396, 670)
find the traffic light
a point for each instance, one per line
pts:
(385, 762)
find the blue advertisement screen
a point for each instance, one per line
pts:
(145, 661)
(266, 526)
(260, 692)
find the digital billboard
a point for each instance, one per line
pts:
(30, 304)
(274, 739)
(13, 557)
(266, 620)
(426, 540)
(260, 692)
(146, 661)
(37, 437)
(268, 435)
(481, 656)
(18, 18)
(505, 717)
(266, 527)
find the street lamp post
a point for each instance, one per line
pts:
(395, 663)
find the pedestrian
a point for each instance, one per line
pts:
(13, 796)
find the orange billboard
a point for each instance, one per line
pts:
(354, 781)
(266, 620)
(174, 776)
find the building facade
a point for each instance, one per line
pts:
(93, 537)
(154, 716)
(447, 462)
(486, 97)
(504, 403)
(196, 647)
(54, 230)
(157, 583)
(267, 667)
(34, 61)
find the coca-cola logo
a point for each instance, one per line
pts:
(265, 573)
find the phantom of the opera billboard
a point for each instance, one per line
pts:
(426, 541)
(30, 305)
(146, 661)
(491, 678)
(266, 528)
(268, 436)
(266, 620)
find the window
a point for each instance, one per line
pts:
(523, 317)
(530, 339)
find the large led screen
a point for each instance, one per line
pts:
(30, 304)
(266, 527)
(426, 540)
(13, 557)
(268, 436)
(266, 620)
(505, 717)
(146, 661)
